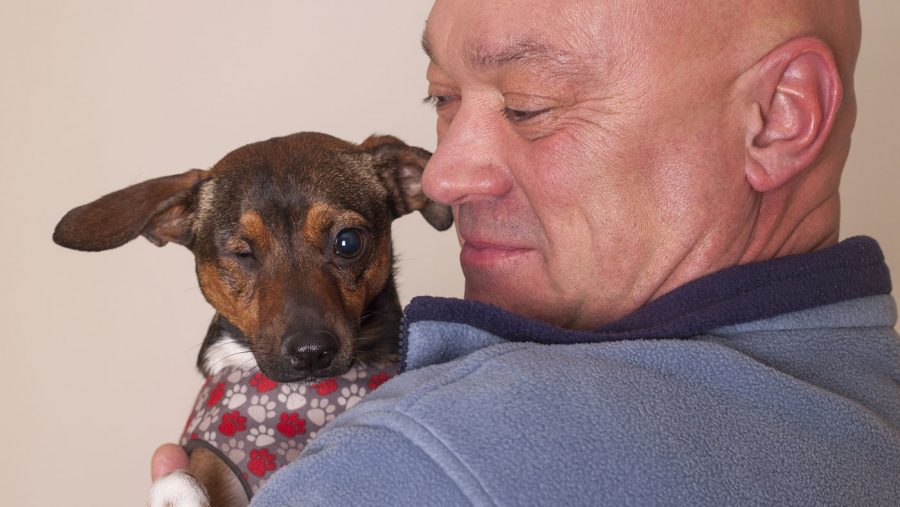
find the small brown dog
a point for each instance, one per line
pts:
(293, 250)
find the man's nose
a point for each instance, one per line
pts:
(469, 162)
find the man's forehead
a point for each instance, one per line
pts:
(560, 37)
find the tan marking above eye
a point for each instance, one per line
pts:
(319, 218)
(322, 220)
(254, 229)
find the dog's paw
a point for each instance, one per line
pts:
(178, 489)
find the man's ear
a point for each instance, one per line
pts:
(161, 209)
(400, 167)
(796, 92)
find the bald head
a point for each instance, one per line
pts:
(738, 35)
(771, 22)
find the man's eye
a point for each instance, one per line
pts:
(517, 116)
(349, 243)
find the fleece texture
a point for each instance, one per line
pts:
(788, 394)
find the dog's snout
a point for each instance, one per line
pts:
(310, 354)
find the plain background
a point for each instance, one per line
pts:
(99, 349)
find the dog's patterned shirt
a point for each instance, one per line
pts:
(257, 425)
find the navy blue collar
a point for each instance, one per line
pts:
(851, 269)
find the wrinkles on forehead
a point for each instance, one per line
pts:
(530, 54)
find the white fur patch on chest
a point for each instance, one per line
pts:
(227, 352)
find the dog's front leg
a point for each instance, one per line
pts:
(178, 489)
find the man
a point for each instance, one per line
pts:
(649, 191)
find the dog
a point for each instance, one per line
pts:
(291, 238)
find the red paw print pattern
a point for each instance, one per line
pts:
(232, 422)
(259, 425)
(216, 394)
(263, 383)
(378, 379)
(291, 425)
(261, 461)
(325, 387)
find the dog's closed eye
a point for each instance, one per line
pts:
(242, 249)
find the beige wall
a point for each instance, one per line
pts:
(94, 95)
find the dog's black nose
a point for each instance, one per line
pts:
(310, 354)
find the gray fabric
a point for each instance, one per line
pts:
(800, 409)
(434, 348)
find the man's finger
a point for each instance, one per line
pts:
(166, 459)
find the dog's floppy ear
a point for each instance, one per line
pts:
(400, 167)
(161, 209)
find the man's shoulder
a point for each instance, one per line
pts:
(825, 352)
(642, 419)
(798, 408)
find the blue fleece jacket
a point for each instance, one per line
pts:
(773, 383)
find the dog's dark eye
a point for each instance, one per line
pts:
(349, 243)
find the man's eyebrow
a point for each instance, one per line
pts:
(427, 48)
(482, 56)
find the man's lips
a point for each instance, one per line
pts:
(477, 254)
